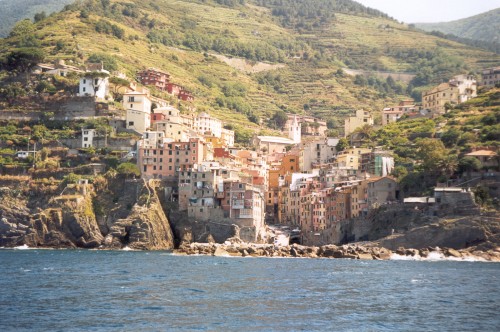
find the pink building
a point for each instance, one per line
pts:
(165, 160)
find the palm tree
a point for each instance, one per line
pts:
(447, 165)
(364, 134)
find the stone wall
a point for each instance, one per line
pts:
(65, 108)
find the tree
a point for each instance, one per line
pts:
(431, 152)
(342, 144)
(447, 165)
(450, 137)
(22, 60)
(118, 83)
(22, 28)
(108, 61)
(469, 164)
(365, 132)
(279, 119)
(40, 17)
(128, 169)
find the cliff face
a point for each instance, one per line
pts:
(479, 232)
(397, 226)
(108, 214)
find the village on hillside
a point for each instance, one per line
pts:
(303, 181)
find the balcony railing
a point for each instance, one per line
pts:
(246, 213)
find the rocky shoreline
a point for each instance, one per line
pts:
(350, 251)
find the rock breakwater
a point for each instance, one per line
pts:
(352, 251)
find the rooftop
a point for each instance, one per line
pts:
(275, 139)
(482, 153)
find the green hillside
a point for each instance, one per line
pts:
(485, 26)
(310, 45)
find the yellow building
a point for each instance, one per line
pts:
(458, 90)
(359, 120)
(351, 158)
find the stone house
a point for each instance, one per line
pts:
(380, 190)
(490, 77)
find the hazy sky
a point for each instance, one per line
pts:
(419, 11)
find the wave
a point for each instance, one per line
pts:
(23, 247)
(436, 256)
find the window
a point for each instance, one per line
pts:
(84, 89)
(145, 168)
(131, 123)
(96, 81)
(131, 106)
(131, 99)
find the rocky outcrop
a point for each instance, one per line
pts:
(479, 232)
(146, 228)
(123, 213)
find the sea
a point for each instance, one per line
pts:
(94, 290)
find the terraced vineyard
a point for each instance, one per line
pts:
(179, 35)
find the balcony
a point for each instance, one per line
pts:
(238, 204)
(246, 213)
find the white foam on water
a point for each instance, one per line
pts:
(23, 247)
(396, 257)
(127, 248)
(436, 256)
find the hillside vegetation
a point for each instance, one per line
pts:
(481, 30)
(485, 26)
(311, 42)
(12, 11)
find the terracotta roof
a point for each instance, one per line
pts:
(482, 153)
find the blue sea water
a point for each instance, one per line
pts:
(76, 290)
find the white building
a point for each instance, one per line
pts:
(88, 137)
(138, 121)
(93, 86)
(228, 137)
(138, 106)
(205, 124)
(294, 129)
(316, 153)
(272, 144)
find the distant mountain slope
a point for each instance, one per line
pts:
(484, 26)
(12, 11)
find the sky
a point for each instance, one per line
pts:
(431, 11)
